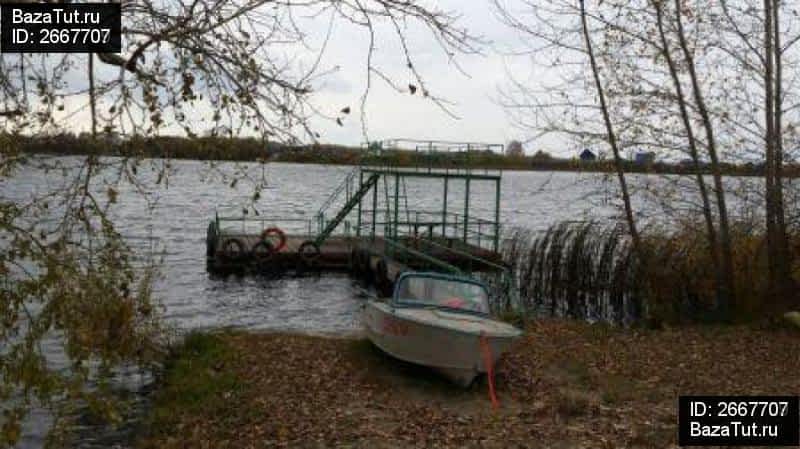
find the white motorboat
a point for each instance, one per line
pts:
(440, 321)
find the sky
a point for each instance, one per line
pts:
(472, 87)
(473, 90)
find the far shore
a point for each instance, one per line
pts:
(253, 150)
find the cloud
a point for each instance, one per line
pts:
(470, 86)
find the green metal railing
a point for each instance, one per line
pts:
(429, 169)
(503, 286)
(345, 186)
(480, 232)
(351, 201)
(246, 224)
(431, 156)
(398, 248)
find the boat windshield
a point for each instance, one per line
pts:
(438, 292)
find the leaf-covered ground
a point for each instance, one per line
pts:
(565, 384)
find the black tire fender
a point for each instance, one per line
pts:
(366, 268)
(355, 263)
(309, 251)
(233, 248)
(263, 251)
(211, 239)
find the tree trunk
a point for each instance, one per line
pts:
(727, 288)
(784, 288)
(92, 101)
(693, 152)
(612, 138)
(769, 153)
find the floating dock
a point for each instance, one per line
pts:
(370, 225)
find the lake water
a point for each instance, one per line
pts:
(169, 220)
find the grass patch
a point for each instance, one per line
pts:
(195, 381)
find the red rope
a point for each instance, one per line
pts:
(487, 361)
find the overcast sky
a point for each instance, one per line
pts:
(473, 90)
(389, 114)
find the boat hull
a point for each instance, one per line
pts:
(454, 344)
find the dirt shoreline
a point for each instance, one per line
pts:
(565, 384)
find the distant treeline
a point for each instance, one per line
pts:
(251, 149)
(200, 148)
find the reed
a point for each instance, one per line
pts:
(589, 270)
(574, 269)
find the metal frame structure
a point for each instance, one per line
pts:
(470, 227)
(379, 194)
(371, 207)
(455, 228)
(395, 216)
